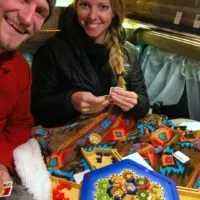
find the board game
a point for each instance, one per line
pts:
(101, 157)
(127, 180)
(188, 193)
(64, 190)
(172, 151)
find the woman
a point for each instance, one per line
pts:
(78, 70)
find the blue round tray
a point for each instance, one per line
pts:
(89, 186)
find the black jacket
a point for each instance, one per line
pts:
(71, 62)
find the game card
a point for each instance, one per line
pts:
(181, 157)
(8, 184)
(6, 189)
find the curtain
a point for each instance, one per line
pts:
(166, 75)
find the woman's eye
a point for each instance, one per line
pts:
(103, 7)
(84, 5)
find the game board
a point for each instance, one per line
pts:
(64, 190)
(101, 157)
(126, 180)
(188, 193)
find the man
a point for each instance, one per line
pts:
(19, 21)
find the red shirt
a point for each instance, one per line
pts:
(15, 116)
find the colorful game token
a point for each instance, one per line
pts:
(127, 180)
(95, 138)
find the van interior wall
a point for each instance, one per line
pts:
(180, 15)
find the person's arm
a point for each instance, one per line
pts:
(50, 106)
(18, 124)
(136, 83)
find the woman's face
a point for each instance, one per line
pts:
(95, 16)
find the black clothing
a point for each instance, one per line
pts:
(69, 62)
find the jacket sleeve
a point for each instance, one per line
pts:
(136, 83)
(17, 129)
(50, 106)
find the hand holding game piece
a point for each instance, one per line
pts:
(124, 99)
(87, 103)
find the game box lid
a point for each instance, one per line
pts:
(126, 180)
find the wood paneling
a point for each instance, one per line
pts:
(182, 15)
(172, 41)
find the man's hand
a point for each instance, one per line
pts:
(4, 175)
(87, 103)
(124, 99)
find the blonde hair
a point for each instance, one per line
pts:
(116, 59)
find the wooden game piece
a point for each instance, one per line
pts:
(95, 138)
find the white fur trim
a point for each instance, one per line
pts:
(32, 170)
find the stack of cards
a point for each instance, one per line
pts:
(6, 190)
(109, 96)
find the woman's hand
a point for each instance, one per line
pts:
(4, 175)
(124, 99)
(87, 103)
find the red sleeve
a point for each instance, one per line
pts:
(17, 129)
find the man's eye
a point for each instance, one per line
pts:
(41, 14)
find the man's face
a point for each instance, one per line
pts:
(20, 20)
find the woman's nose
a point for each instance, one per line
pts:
(92, 14)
